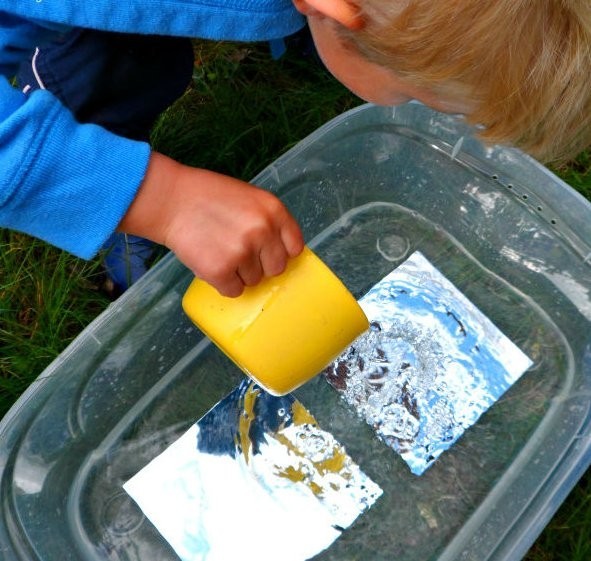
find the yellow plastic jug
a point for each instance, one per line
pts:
(285, 330)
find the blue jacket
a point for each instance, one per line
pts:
(70, 184)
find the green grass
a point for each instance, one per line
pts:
(242, 111)
(568, 536)
(46, 298)
(577, 173)
(234, 120)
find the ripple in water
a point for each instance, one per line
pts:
(429, 366)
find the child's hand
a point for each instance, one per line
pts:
(228, 232)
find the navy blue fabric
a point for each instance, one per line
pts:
(126, 258)
(119, 81)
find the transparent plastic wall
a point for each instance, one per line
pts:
(369, 188)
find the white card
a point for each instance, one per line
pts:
(255, 479)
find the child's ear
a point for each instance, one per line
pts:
(342, 11)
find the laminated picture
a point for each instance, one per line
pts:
(430, 365)
(249, 479)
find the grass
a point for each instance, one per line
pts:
(241, 112)
(46, 298)
(578, 173)
(234, 120)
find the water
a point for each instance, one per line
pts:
(430, 365)
(256, 466)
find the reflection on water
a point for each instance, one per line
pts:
(256, 479)
(430, 365)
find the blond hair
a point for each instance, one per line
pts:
(524, 64)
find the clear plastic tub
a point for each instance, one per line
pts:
(369, 188)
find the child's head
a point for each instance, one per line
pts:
(519, 67)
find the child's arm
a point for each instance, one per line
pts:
(228, 232)
(61, 181)
(70, 184)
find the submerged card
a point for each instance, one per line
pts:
(255, 479)
(430, 365)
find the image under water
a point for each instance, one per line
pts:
(249, 479)
(430, 365)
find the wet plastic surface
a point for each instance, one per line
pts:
(369, 188)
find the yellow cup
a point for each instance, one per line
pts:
(285, 330)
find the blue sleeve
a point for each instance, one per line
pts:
(66, 183)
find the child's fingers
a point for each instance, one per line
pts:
(251, 271)
(220, 273)
(292, 237)
(231, 285)
(273, 258)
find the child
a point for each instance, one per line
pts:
(518, 68)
